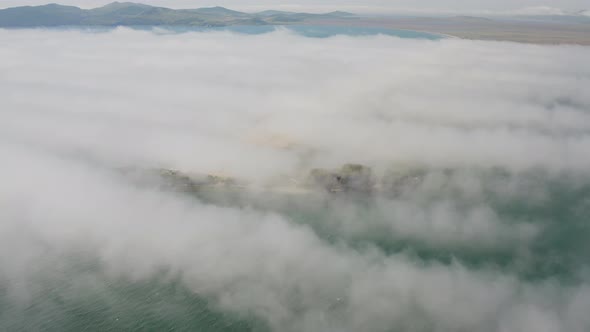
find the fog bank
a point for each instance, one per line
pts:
(492, 238)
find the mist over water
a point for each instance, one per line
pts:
(482, 226)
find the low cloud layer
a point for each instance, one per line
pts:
(502, 131)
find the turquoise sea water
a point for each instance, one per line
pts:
(317, 31)
(313, 31)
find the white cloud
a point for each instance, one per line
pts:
(78, 106)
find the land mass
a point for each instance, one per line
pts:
(133, 14)
(538, 30)
(558, 29)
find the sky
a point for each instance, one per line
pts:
(368, 6)
(82, 110)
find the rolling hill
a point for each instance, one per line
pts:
(129, 14)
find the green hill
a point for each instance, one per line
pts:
(129, 14)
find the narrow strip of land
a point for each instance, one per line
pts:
(524, 31)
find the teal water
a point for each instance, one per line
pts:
(317, 31)
(81, 298)
(312, 31)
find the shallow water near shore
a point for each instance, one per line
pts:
(311, 31)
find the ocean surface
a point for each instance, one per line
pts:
(312, 31)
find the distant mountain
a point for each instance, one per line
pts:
(129, 14)
(341, 14)
(220, 11)
(274, 12)
(281, 13)
(48, 15)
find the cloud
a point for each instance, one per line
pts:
(500, 131)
